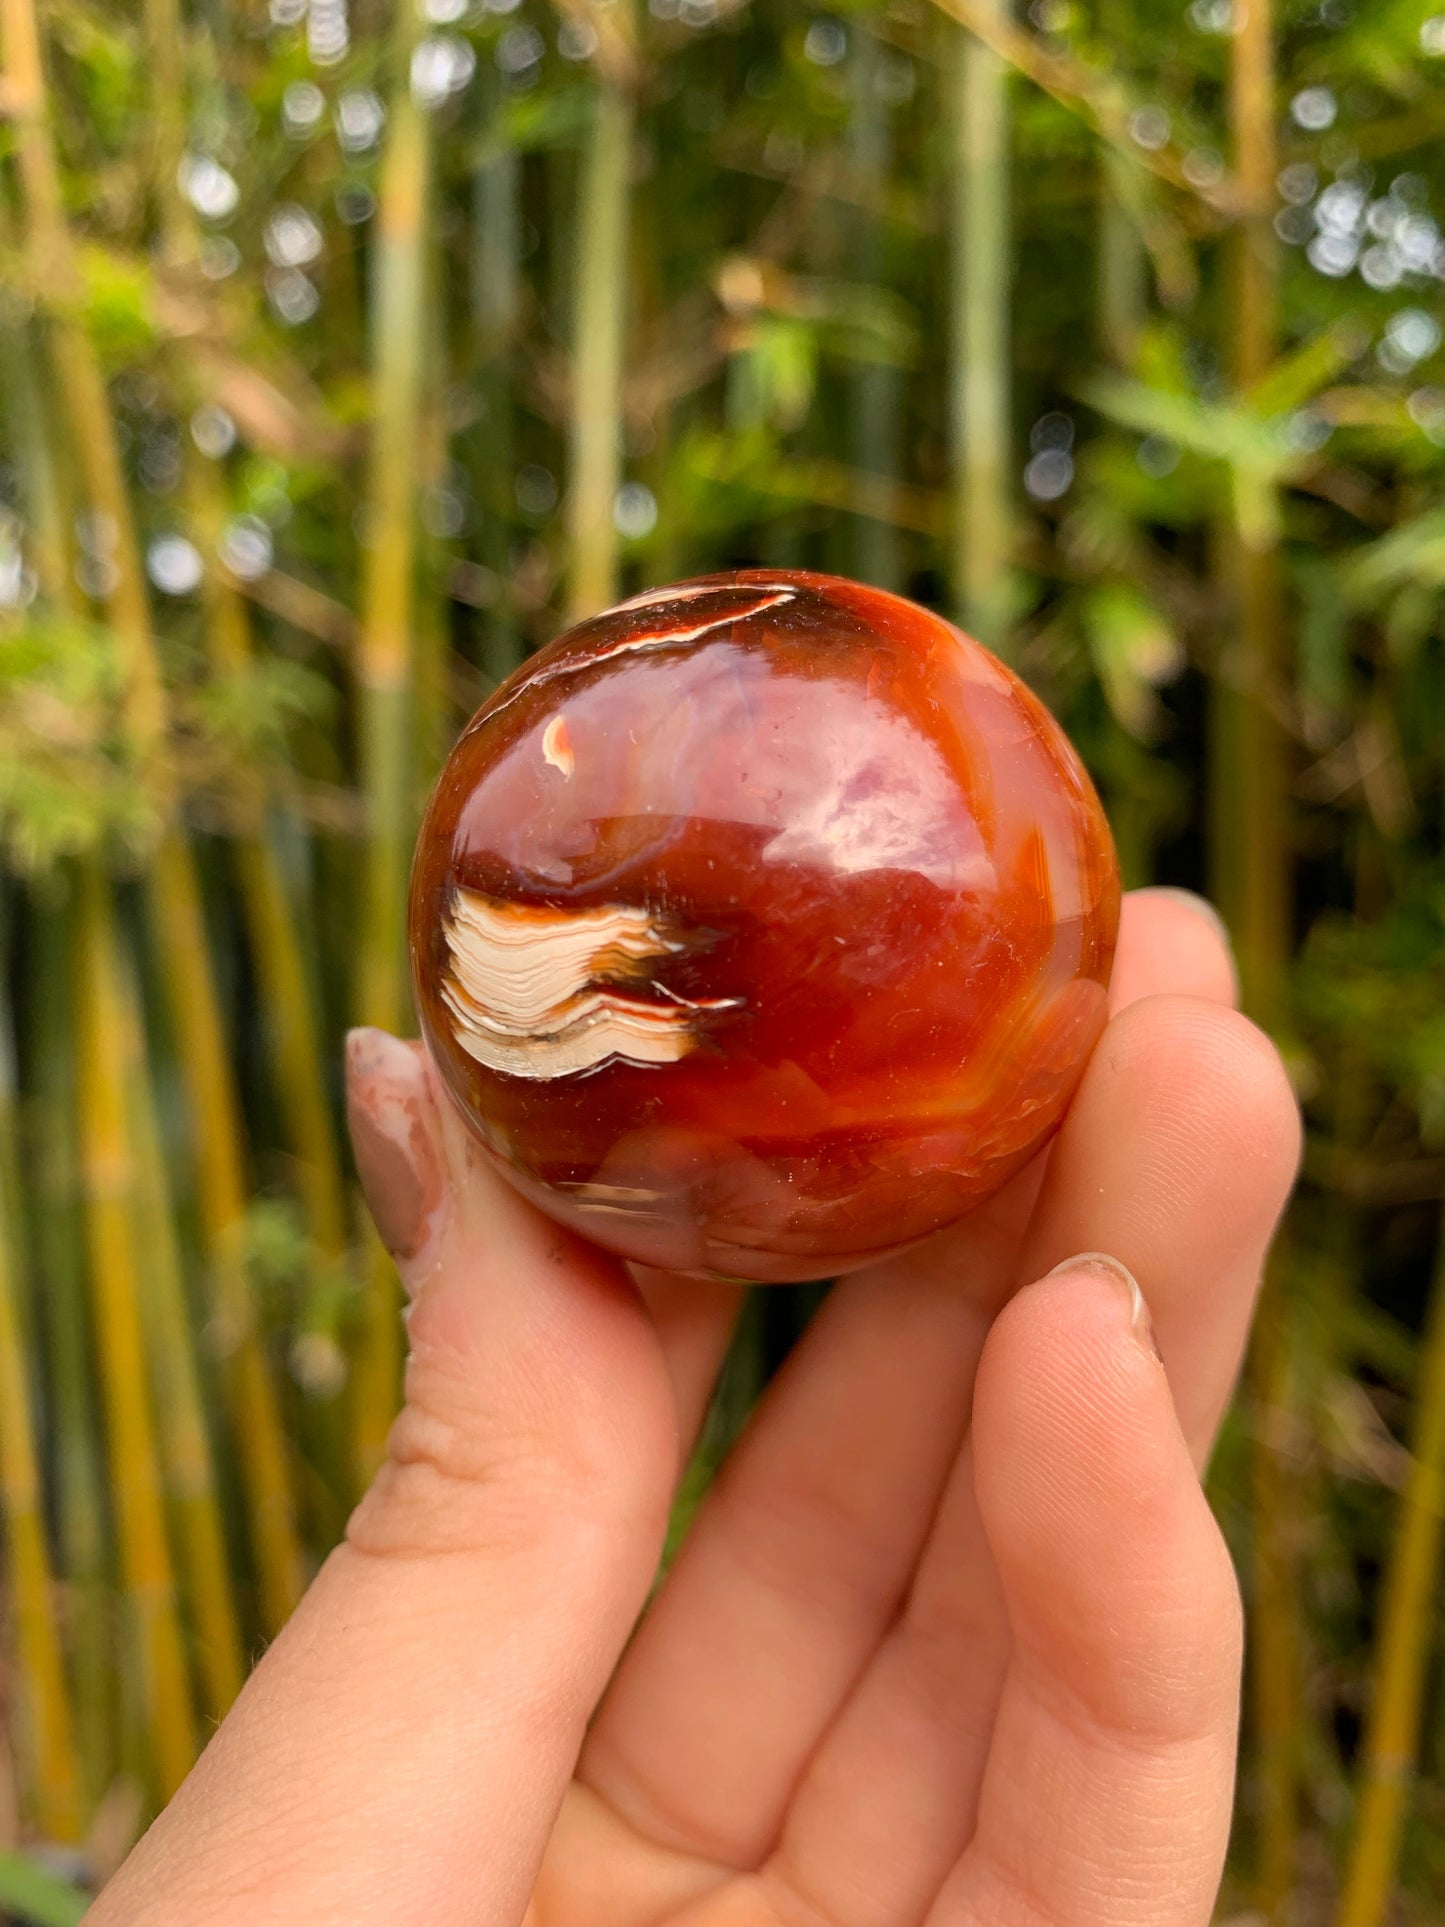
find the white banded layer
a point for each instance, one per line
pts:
(684, 615)
(542, 993)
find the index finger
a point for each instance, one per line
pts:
(1171, 941)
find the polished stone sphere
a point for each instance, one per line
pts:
(762, 925)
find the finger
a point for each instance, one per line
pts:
(791, 1571)
(401, 1751)
(800, 1558)
(1171, 943)
(1119, 1710)
(694, 1319)
(1171, 940)
(1176, 1156)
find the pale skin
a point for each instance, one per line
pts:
(955, 1641)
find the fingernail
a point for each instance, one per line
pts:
(1201, 907)
(1100, 1263)
(388, 1109)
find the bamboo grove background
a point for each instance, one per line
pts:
(348, 350)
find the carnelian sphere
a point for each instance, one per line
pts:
(762, 925)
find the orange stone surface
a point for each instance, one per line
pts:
(762, 925)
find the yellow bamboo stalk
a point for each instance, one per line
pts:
(875, 389)
(1276, 1661)
(433, 722)
(495, 295)
(56, 1236)
(80, 380)
(271, 925)
(272, 928)
(109, 1181)
(386, 670)
(1255, 865)
(979, 384)
(263, 1459)
(1121, 304)
(165, 53)
(49, 1725)
(295, 1034)
(1252, 882)
(599, 322)
(59, 1246)
(190, 1479)
(1122, 273)
(173, 888)
(1407, 1629)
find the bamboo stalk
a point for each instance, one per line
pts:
(1252, 846)
(186, 1459)
(1275, 1684)
(598, 323)
(431, 641)
(109, 1180)
(173, 888)
(263, 1459)
(1252, 884)
(59, 1250)
(56, 1243)
(386, 677)
(1123, 277)
(165, 54)
(47, 535)
(496, 304)
(272, 931)
(295, 1036)
(876, 401)
(979, 384)
(1403, 1644)
(81, 382)
(49, 1725)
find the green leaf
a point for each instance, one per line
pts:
(1298, 377)
(68, 784)
(1415, 552)
(119, 304)
(249, 716)
(1134, 650)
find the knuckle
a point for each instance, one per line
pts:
(463, 1476)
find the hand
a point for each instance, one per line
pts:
(954, 1640)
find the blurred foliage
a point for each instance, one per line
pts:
(290, 235)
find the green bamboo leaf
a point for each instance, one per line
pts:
(1135, 650)
(1298, 377)
(1215, 431)
(1414, 552)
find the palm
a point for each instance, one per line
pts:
(841, 1707)
(953, 1641)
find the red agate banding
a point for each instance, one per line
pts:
(762, 925)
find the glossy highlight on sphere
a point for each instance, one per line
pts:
(762, 925)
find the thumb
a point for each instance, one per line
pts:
(402, 1749)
